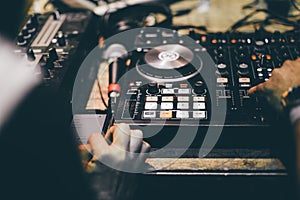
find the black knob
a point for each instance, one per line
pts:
(219, 50)
(53, 54)
(56, 15)
(192, 33)
(31, 27)
(199, 87)
(221, 69)
(34, 20)
(21, 40)
(153, 88)
(30, 55)
(61, 39)
(243, 69)
(25, 33)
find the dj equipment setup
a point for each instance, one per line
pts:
(172, 80)
(176, 80)
(191, 87)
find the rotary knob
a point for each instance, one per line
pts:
(21, 40)
(25, 33)
(192, 33)
(222, 69)
(53, 54)
(30, 55)
(153, 88)
(243, 69)
(199, 87)
(61, 39)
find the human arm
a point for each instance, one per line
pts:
(282, 79)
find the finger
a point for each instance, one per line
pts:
(256, 90)
(297, 60)
(146, 147)
(98, 144)
(144, 153)
(136, 141)
(84, 147)
(121, 136)
(109, 133)
(84, 152)
(252, 90)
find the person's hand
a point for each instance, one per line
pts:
(121, 148)
(281, 80)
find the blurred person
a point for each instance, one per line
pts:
(39, 156)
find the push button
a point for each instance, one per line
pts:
(165, 114)
(182, 114)
(184, 91)
(199, 105)
(150, 105)
(183, 98)
(167, 91)
(182, 105)
(222, 80)
(244, 80)
(149, 114)
(152, 98)
(201, 99)
(167, 98)
(166, 105)
(199, 114)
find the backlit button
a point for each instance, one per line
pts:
(167, 91)
(183, 85)
(182, 105)
(138, 83)
(152, 98)
(269, 69)
(199, 105)
(183, 98)
(244, 80)
(199, 114)
(260, 75)
(182, 114)
(167, 98)
(149, 114)
(253, 57)
(184, 91)
(202, 99)
(132, 91)
(259, 69)
(166, 105)
(222, 80)
(150, 105)
(165, 114)
(169, 85)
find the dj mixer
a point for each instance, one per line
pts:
(200, 80)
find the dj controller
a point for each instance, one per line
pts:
(177, 82)
(55, 44)
(173, 82)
